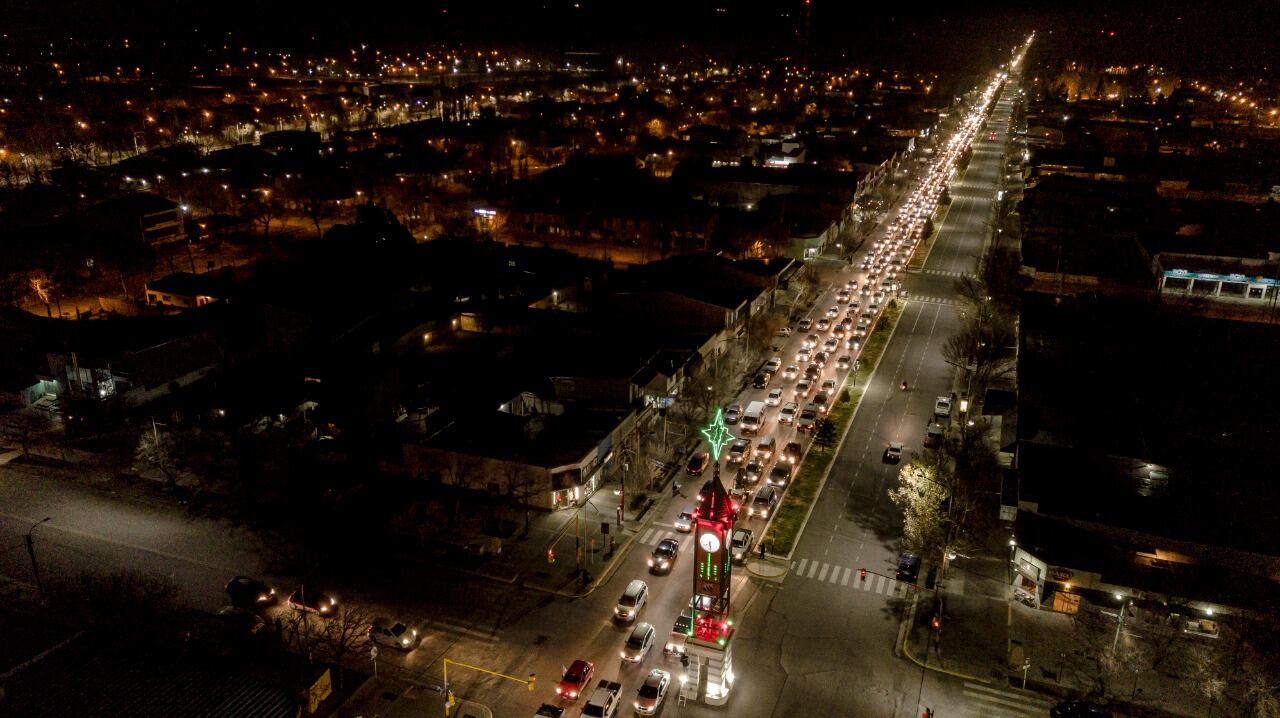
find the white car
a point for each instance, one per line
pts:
(632, 601)
(828, 387)
(773, 365)
(684, 522)
(391, 633)
(652, 691)
(942, 407)
(788, 413)
(774, 398)
(790, 372)
(638, 643)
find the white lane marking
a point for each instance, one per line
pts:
(822, 576)
(803, 563)
(813, 568)
(845, 580)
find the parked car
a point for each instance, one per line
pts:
(908, 567)
(313, 599)
(942, 407)
(804, 325)
(638, 643)
(761, 380)
(773, 365)
(632, 601)
(733, 414)
(664, 556)
(248, 592)
(784, 332)
(575, 679)
(395, 634)
(933, 435)
(698, 463)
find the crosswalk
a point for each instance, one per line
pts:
(652, 536)
(947, 273)
(466, 631)
(846, 577)
(933, 300)
(984, 700)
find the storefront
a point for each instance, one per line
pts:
(1028, 578)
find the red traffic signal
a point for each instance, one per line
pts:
(862, 574)
(551, 555)
(936, 623)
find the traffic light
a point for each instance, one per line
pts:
(532, 677)
(551, 555)
(862, 574)
(936, 623)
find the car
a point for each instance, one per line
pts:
(740, 544)
(828, 387)
(664, 556)
(784, 332)
(739, 451)
(830, 345)
(792, 452)
(652, 691)
(811, 341)
(853, 343)
(780, 476)
(844, 362)
(876, 299)
(812, 372)
(808, 416)
(632, 601)
(766, 449)
(733, 414)
(546, 710)
(821, 358)
(840, 330)
(788, 413)
(751, 472)
(823, 401)
(790, 372)
(575, 679)
(774, 398)
(908, 567)
(762, 505)
(942, 407)
(851, 285)
(638, 643)
(761, 380)
(773, 365)
(698, 463)
(893, 452)
(684, 522)
(313, 599)
(804, 325)
(824, 324)
(833, 311)
(1078, 709)
(933, 435)
(395, 634)
(803, 387)
(248, 592)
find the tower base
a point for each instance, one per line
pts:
(710, 672)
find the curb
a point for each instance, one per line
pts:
(904, 648)
(767, 576)
(836, 450)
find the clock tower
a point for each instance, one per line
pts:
(712, 563)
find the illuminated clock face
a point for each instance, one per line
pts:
(709, 542)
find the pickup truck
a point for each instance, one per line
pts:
(604, 701)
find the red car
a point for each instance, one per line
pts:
(575, 680)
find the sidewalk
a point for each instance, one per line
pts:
(972, 642)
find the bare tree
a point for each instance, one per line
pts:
(158, 450)
(345, 634)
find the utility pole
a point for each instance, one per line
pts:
(31, 551)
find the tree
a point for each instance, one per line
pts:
(158, 450)
(345, 634)
(824, 433)
(921, 497)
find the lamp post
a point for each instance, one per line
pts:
(31, 551)
(1119, 623)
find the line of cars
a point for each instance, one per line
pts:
(252, 597)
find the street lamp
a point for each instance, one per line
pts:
(31, 551)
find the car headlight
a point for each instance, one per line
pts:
(651, 563)
(624, 655)
(404, 641)
(333, 601)
(637, 705)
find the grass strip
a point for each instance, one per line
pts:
(790, 516)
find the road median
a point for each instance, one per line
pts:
(793, 512)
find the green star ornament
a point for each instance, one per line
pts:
(717, 435)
